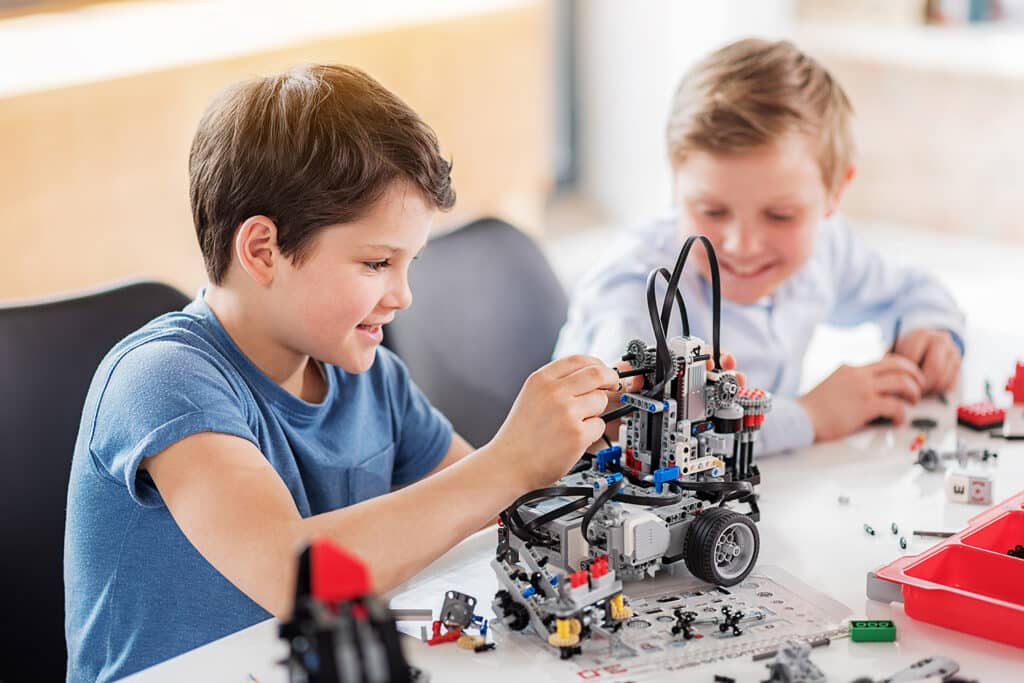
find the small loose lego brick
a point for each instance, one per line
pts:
(872, 631)
(956, 486)
(980, 416)
(979, 490)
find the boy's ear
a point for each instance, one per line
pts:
(256, 248)
(836, 196)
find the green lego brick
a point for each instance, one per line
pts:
(872, 631)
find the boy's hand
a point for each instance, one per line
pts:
(935, 353)
(851, 397)
(636, 383)
(555, 417)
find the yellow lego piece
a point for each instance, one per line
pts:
(619, 609)
(567, 633)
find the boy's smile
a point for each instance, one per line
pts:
(759, 208)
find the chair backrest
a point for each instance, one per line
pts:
(49, 351)
(486, 312)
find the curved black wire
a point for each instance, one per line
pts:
(598, 503)
(716, 292)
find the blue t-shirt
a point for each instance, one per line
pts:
(136, 591)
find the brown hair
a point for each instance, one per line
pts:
(751, 93)
(313, 147)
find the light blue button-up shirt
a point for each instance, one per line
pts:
(844, 282)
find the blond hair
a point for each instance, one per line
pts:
(752, 92)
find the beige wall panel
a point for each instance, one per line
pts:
(93, 178)
(936, 149)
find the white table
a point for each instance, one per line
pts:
(804, 529)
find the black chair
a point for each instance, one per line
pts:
(49, 351)
(486, 313)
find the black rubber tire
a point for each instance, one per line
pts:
(701, 538)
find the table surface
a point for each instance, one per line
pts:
(804, 529)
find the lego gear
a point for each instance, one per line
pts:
(638, 355)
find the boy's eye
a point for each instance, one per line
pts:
(779, 217)
(377, 265)
(714, 213)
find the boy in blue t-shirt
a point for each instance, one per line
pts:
(759, 139)
(215, 440)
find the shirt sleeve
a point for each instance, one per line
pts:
(787, 427)
(153, 396)
(424, 434)
(870, 289)
(608, 306)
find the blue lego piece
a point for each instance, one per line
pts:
(530, 590)
(701, 427)
(608, 481)
(607, 455)
(553, 580)
(665, 474)
(483, 628)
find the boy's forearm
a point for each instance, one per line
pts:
(399, 534)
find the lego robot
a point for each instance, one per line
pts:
(656, 501)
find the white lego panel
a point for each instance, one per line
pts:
(644, 536)
(979, 490)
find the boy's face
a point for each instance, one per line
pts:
(759, 208)
(353, 281)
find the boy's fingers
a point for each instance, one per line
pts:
(949, 377)
(897, 363)
(564, 367)
(936, 356)
(913, 346)
(727, 359)
(630, 384)
(593, 429)
(590, 377)
(892, 408)
(898, 384)
(741, 377)
(589, 405)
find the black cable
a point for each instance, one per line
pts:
(560, 511)
(716, 291)
(514, 522)
(663, 366)
(613, 415)
(653, 501)
(607, 441)
(601, 499)
(712, 486)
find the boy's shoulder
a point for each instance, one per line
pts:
(633, 252)
(173, 341)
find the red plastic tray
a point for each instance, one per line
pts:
(967, 582)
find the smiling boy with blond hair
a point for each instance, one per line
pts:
(759, 139)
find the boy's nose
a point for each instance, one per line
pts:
(400, 296)
(740, 240)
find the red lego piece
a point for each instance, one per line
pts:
(750, 392)
(577, 579)
(753, 420)
(599, 567)
(1015, 385)
(917, 442)
(336, 575)
(980, 416)
(449, 636)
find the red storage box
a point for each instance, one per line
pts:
(968, 582)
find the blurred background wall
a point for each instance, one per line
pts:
(552, 110)
(99, 102)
